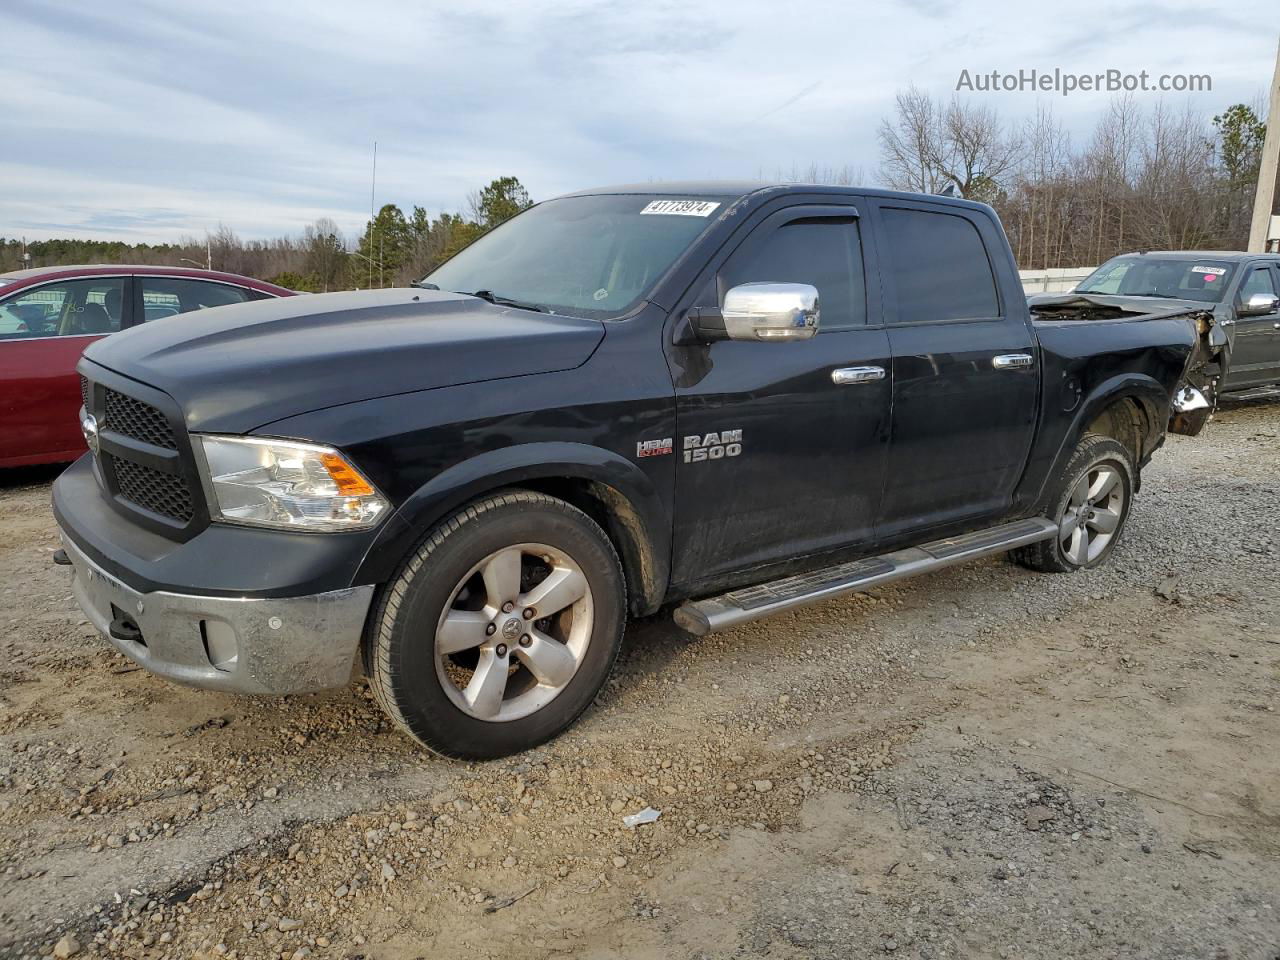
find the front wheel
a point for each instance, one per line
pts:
(1090, 505)
(500, 629)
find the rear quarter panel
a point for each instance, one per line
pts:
(1087, 365)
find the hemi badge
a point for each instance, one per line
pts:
(653, 448)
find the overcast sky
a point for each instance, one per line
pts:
(155, 120)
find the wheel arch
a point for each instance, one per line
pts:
(611, 490)
(1131, 408)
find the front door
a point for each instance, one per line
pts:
(965, 377)
(43, 331)
(775, 458)
(1255, 348)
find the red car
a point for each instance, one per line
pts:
(49, 315)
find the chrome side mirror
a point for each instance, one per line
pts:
(1259, 305)
(772, 312)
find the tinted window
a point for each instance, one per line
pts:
(165, 297)
(72, 308)
(1260, 281)
(939, 267)
(826, 254)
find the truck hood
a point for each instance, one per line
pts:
(238, 367)
(1137, 305)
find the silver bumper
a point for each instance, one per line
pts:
(238, 645)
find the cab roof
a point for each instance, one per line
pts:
(1233, 256)
(741, 189)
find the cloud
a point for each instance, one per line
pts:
(176, 116)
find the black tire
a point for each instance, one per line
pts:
(400, 641)
(1092, 454)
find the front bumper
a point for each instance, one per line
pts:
(273, 645)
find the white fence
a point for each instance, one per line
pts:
(1057, 280)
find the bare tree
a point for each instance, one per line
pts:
(326, 253)
(928, 147)
(911, 143)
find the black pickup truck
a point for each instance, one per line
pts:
(730, 399)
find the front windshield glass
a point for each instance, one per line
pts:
(1144, 276)
(593, 256)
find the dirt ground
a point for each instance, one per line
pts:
(982, 763)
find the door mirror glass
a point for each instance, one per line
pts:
(1259, 305)
(771, 311)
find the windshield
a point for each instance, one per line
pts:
(1144, 276)
(593, 256)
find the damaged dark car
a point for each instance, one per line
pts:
(1233, 298)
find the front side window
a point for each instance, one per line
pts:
(594, 256)
(825, 253)
(939, 266)
(1164, 277)
(69, 308)
(1259, 281)
(169, 296)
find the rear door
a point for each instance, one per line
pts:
(965, 377)
(43, 331)
(1255, 350)
(778, 456)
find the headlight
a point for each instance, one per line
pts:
(281, 483)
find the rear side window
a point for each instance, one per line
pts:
(166, 297)
(824, 253)
(939, 266)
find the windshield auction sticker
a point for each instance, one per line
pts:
(682, 208)
(1212, 271)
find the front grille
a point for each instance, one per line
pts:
(141, 421)
(144, 458)
(162, 493)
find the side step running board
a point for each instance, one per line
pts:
(701, 617)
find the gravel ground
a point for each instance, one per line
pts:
(980, 763)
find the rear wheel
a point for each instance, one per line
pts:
(1090, 504)
(500, 629)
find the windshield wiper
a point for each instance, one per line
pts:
(505, 301)
(423, 285)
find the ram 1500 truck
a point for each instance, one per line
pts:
(730, 399)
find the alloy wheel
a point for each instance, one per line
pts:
(1092, 515)
(514, 632)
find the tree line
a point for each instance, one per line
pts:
(393, 250)
(1143, 179)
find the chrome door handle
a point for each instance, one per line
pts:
(847, 375)
(1013, 361)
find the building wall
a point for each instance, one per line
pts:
(1057, 280)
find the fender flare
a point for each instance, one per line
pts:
(638, 523)
(1152, 398)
